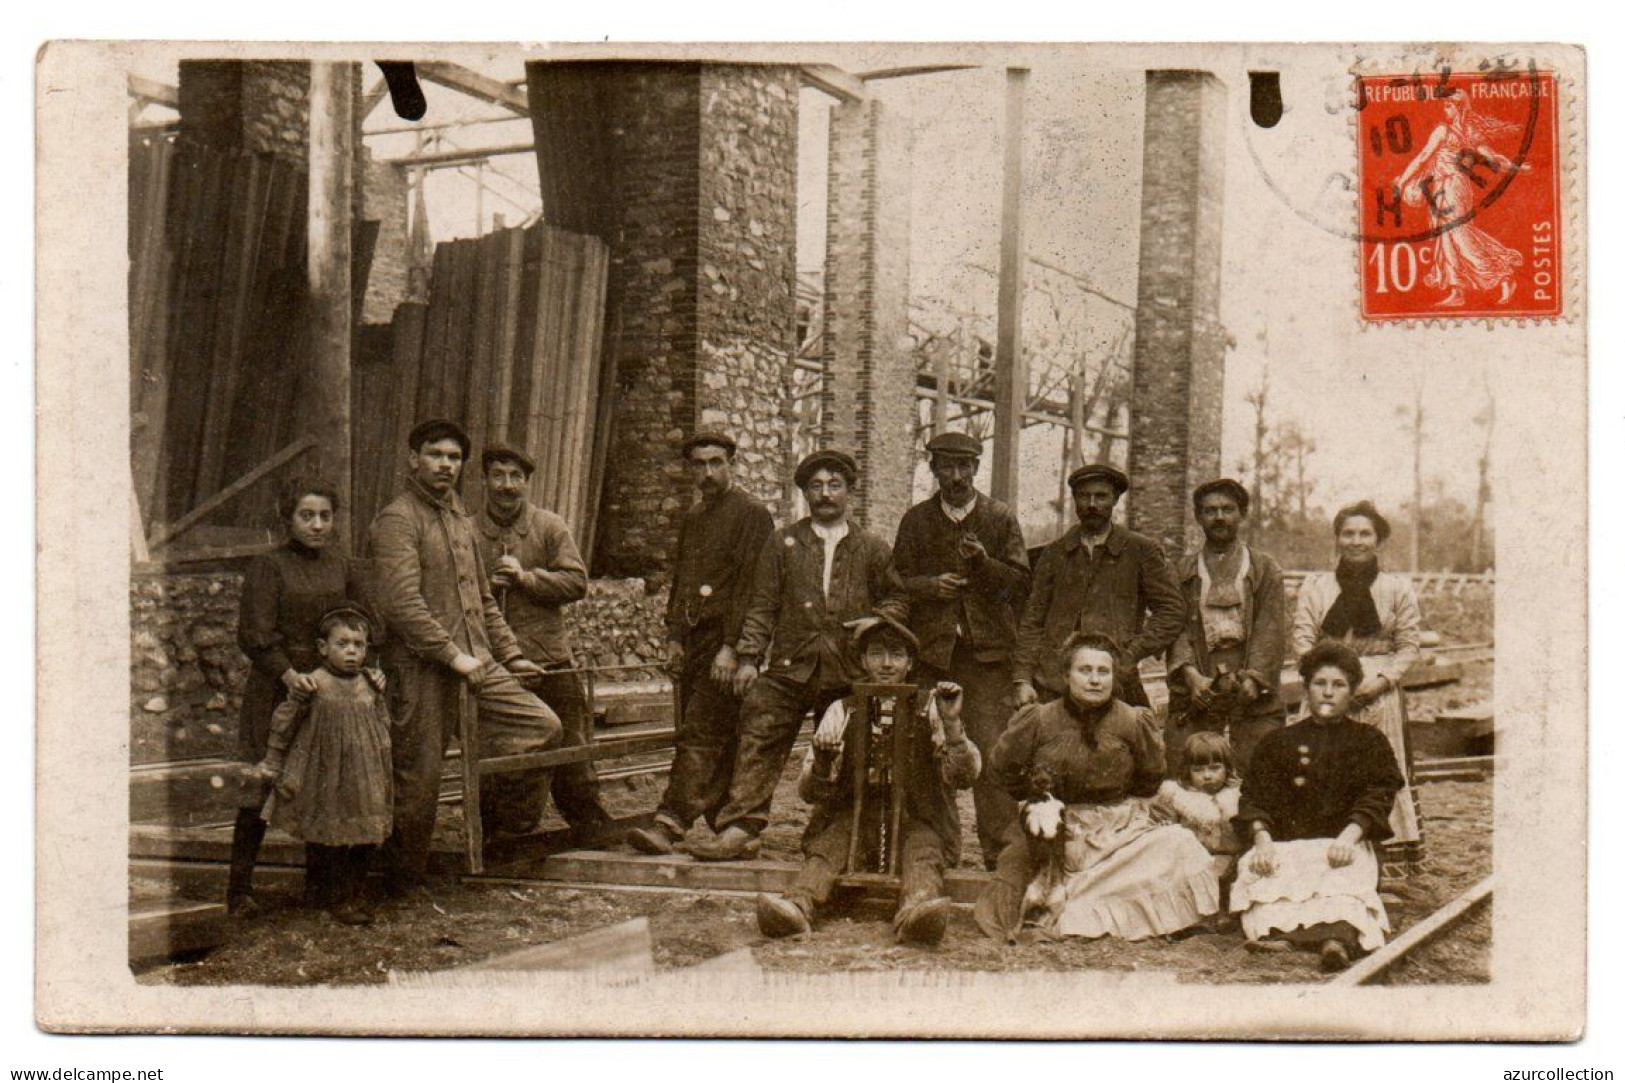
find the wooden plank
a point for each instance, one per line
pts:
(465, 81)
(513, 271)
(682, 871)
(431, 359)
(1009, 369)
(329, 231)
(591, 753)
(208, 878)
(151, 90)
(151, 382)
(164, 929)
(1384, 958)
(608, 375)
(406, 363)
(628, 945)
(197, 514)
(594, 271)
(835, 82)
(459, 330)
(543, 365)
(565, 459)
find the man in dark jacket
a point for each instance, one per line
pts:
(1097, 577)
(536, 570)
(963, 562)
(444, 631)
(816, 584)
(718, 542)
(1225, 668)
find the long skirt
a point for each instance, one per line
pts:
(1305, 890)
(1124, 875)
(1387, 713)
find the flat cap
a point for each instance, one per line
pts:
(503, 453)
(438, 428)
(1098, 471)
(710, 439)
(1222, 485)
(955, 443)
(828, 459)
(891, 624)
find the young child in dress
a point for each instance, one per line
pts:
(936, 759)
(328, 760)
(1208, 797)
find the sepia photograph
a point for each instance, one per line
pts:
(696, 532)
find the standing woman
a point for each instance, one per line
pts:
(285, 593)
(1374, 613)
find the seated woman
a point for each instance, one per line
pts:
(1103, 866)
(1317, 798)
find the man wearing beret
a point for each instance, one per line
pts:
(1097, 577)
(816, 584)
(718, 541)
(1224, 667)
(535, 571)
(443, 631)
(963, 562)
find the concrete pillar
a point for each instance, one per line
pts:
(1176, 409)
(869, 403)
(688, 172)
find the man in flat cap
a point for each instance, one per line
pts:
(718, 541)
(1097, 577)
(1224, 667)
(963, 562)
(816, 584)
(535, 571)
(443, 631)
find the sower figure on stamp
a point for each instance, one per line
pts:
(1097, 577)
(930, 759)
(535, 571)
(718, 542)
(444, 631)
(1224, 669)
(963, 562)
(817, 582)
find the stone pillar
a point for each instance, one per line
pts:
(869, 401)
(1178, 388)
(688, 172)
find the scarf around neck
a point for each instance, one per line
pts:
(1355, 610)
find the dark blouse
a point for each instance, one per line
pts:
(1310, 780)
(285, 593)
(1080, 757)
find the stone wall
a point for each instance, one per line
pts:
(187, 674)
(383, 200)
(698, 162)
(1179, 343)
(869, 401)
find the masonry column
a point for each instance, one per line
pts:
(869, 401)
(688, 172)
(1176, 411)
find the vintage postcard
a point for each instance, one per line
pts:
(813, 540)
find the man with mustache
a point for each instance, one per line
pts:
(444, 631)
(962, 559)
(535, 571)
(816, 584)
(718, 542)
(1102, 578)
(1224, 667)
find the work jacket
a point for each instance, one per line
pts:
(984, 615)
(431, 588)
(1263, 614)
(789, 613)
(718, 543)
(553, 576)
(1124, 590)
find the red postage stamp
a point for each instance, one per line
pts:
(1459, 195)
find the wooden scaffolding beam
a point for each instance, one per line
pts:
(1009, 372)
(461, 79)
(328, 225)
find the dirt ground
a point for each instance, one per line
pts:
(454, 923)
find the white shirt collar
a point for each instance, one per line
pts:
(958, 515)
